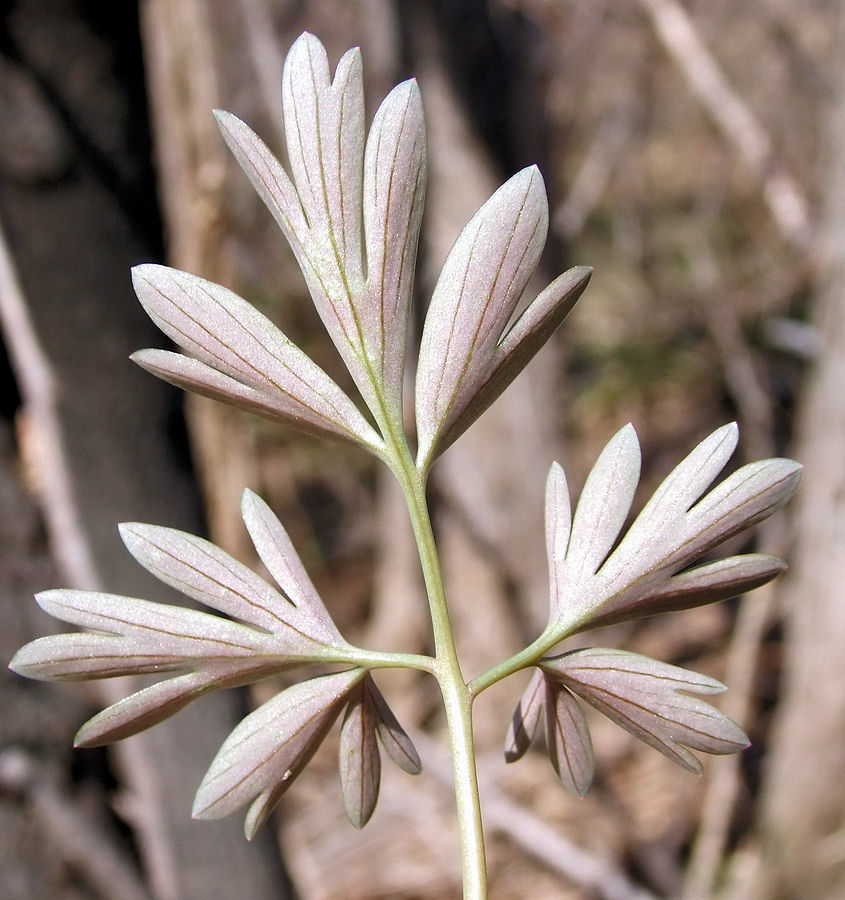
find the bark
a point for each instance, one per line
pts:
(805, 806)
(76, 210)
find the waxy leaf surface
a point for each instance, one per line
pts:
(351, 211)
(271, 744)
(476, 294)
(591, 583)
(240, 356)
(568, 740)
(650, 700)
(359, 759)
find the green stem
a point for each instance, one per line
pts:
(527, 657)
(457, 699)
(446, 667)
(458, 704)
(374, 659)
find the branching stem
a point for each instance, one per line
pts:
(457, 698)
(521, 660)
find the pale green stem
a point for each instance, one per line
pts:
(446, 666)
(456, 697)
(373, 659)
(527, 657)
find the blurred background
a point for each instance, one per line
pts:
(693, 154)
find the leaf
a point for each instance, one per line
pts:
(676, 527)
(558, 526)
(206, 573)
(276, 551)
(464, 363)
(138, 637)
(132, 636)
(481, 281)
(241, 357)
(601, 512)
(270, 181)
(360, 763)
(351, 215)
(324, 128)
(395, 169)
(398, 746)
(650, 700)
(720, 580)
(518, 347)
(526, 718)
(273, 743)
(143, 709)
(262, 807)
(568, 739)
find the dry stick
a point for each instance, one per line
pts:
(782, 194)
(597, 167)
(756, 419)
(534, 836)
(78, 840)
(265, 54)
(72, 551)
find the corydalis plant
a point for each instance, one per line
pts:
(351, 211)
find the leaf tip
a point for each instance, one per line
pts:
(249, 500)
(556, 472)
(628, 433)
(142, 273)
(130, 533)
(201, 806)
(46, 599)
(17, 664)
(83, 740)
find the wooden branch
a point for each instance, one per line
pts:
(532, 835)
(756, 420)
(596, 169)
(37, 385)
(781, 193)
(77, 840)
(73, 553)
(804, 805)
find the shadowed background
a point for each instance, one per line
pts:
(692, 154)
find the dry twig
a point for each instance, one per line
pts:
(73, 552)
(78, 840)
(534, 836)
(782, 194)
(757, 427)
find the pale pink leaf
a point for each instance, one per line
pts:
(359, 760)
(599, 516)
(398, 746)
(324, 128)
(262, 807)
(526, 717)
(204, 572)
(143, 709)
(270, 744)
(558, 528)
(229, 335)
(568, 740)
(518, 347)
(395, 171)
(720, 580)
(676, 527)
(650, 700)
(476, 294)
(284, 565)
(270, 181)
(137, 636)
